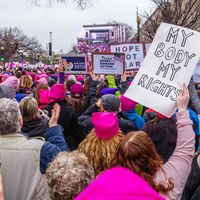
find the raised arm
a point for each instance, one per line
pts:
(179, 165)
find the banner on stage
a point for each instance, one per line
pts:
(108, 63)
(76, 64)
(170, 62)
(134, 54)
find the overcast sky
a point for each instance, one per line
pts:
(65, 21)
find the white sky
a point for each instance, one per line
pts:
(65, 21)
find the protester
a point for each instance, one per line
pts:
(119, 184)
(68, 175)
(192, 187)
(68, 116)
(7, 92)
(137, 152)
(42, 95)
(24, 160)
(101, 143)
(195, 101)
(12, 82)
(163, 133)
(107, 103)
(128, 107)
(76, 98)
(35, 122)
(26, 83)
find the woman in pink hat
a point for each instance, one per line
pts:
(119, 183)
(101, 143)
(138, 153)
(68, 115)
(76, 98)
(42, 95)
(12, 82)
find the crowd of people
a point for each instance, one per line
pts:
(66, 137)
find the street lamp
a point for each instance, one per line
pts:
(138, 19)
(2, 54)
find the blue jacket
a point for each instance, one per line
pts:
(55, 143)
(136, 119)
(195, 120)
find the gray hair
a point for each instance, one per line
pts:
(68, 175)
(9, 115)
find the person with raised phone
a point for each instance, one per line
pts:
(138, 153)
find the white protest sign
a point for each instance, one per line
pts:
(196, 74)
(108, 63)
(169, 63)
(147, 46)
(134, 54)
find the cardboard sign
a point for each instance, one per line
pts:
(134, 54)
(108, 63)
(76, 64)
(169, 63)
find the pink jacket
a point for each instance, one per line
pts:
(119, 183)
(179, 165)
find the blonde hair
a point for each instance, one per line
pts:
(68, 175)
(29, 109)
(26, 81)
(100, 152)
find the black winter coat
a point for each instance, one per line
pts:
(192, 186)
(68, 120)
(35, 128)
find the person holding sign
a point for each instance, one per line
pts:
(137, 152)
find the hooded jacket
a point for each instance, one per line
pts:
(136, 119)
(35, 128)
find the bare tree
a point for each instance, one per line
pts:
(129, 31)
(185, 13)
(81, 4)
(16, 43)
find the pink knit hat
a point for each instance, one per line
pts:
(105, 124)
(43, 76)
(5, 76)
(76, 89)
(57, 93)
(44, 96)
(42, 80)
(118, 184)
(12, 82)
(127, 104)
(80, 78)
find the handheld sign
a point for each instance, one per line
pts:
(169, 63)
(108, 63)
(147, 46)
(76, 64)
(134, 54)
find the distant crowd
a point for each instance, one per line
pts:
(65, 136)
